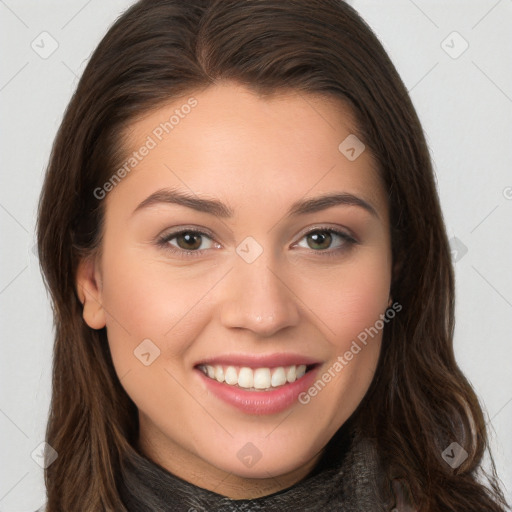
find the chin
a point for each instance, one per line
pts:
(266, 456)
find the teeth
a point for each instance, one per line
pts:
(278, 377)
(230, 376)
(291, 374)
(258, 378)
(261, 378)
(246, 378)
(219, 373)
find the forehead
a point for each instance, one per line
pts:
(226, 141)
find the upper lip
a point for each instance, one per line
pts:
(259, 360)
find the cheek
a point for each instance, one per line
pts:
(145, 300)
(358, 307)
(351, 307)
(348, 299)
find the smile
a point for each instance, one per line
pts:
(254, 379)
(256, 384)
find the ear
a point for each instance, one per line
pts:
(88, 284)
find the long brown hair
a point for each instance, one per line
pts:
(419, 402)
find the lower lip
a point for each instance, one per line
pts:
(260, 402)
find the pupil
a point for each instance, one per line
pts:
(189, 238)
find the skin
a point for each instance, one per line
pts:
(258, 156)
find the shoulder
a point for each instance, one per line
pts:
(42, 509)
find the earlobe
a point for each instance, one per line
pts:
(89, 293)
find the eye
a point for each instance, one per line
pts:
(321, 240)
(188, 241)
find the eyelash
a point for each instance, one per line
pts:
(164, 240)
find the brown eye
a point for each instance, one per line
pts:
(323, 241)
(320, 239)
(189, 240)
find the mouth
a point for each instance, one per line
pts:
(261, 378)
(256, 383)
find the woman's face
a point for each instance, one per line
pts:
(250, 280)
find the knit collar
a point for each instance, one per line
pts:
(347, 478)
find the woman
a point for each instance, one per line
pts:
(211, 354)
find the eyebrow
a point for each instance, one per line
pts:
(219, 209)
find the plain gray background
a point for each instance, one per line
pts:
(463, 97)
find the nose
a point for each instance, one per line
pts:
(259, 298)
